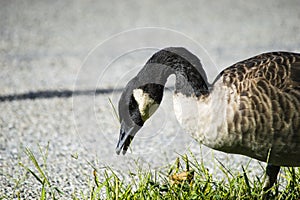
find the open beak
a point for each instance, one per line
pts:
(124, 139)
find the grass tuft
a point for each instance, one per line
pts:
(187, 178)
(40, 175)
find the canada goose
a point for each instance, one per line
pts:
(252, 108)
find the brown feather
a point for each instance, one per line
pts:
(269, 106)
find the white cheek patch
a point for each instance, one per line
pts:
(147, 106)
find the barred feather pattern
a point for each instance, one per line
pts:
(267, 112)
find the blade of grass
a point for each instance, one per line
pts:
(223, 168)
(44, 153)
(114, 109)
(31, 172)
(246, 181)
(43, 193)
(96, 180)
(36, 164)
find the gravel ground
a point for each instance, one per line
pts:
(51, 48)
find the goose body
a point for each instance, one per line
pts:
(252, 108)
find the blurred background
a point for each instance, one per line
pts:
(63, 65)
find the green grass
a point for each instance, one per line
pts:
(39, 173)
(149, 184)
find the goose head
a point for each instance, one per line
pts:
(137, 104)
(143, 94)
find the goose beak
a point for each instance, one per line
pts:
(125, 139)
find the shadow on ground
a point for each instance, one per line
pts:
(47, 94)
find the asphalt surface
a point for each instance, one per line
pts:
(63, 61)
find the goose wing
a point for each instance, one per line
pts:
(267, 113)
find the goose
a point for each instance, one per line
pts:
(252, 108)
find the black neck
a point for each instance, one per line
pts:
(191, 79)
